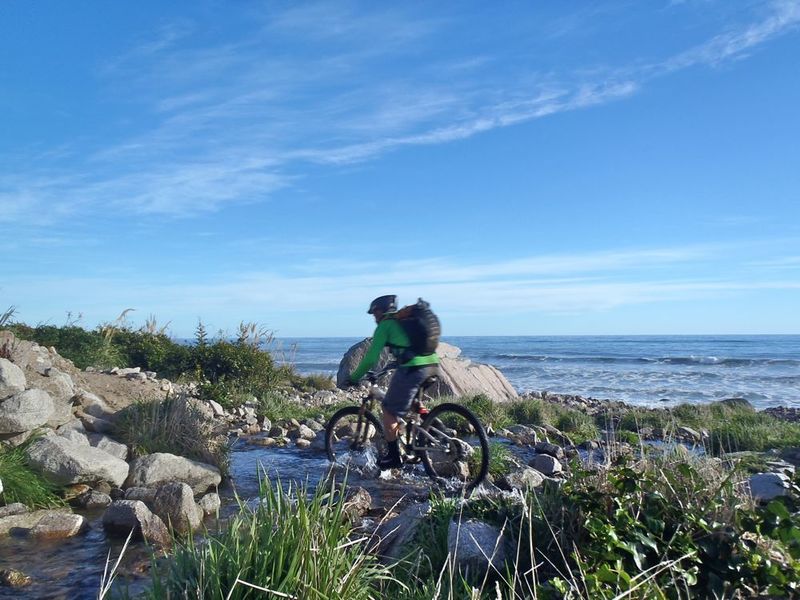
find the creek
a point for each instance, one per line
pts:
(72, 569)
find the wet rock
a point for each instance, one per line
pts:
(526, 478)
(302, 443)
(267, 442)
(520, 434)
(357, 503)
(174, 503)
(209, 504)
(64, 462)
(25, 411)
(475, 547)
(277, 432)
(12, 379)
(124, 516)
(153, 470)
(14, 578)
(768, 486)
(546, 464)
(59, 525)
(690, 434)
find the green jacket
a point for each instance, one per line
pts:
(390, 333)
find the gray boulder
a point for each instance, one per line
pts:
(546, 464)
(522, 479)
(476, 547)
(458, 376)
(153, 470)
(63, 462)
(174, 504)
(106, 444)
(768, 486)
(124, 516)
(25, 411)
(392, 536)
(12, 379)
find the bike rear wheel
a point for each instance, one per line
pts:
(350, 444)
(454, 447)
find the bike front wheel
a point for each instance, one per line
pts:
(454, 447)
(354, 441)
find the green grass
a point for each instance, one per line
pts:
(22, 484)
(500, 461)
(292, 544)
(174, 426)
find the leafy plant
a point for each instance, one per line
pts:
(23, 484)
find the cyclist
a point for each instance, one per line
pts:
(412, 371)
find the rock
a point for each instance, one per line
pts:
(59, 525)
(174, 503)
(15, 508)
(145, 494)
(357, 503)
(277, 432)
(93, 405)
(14, 578)
(106, 444)
(768, 486)
(126, 515)
(266, 424)
(58, 384)
(73, 491)
(217, 408)
(791, 455)
(523, 479)
(690, 434)
(550, 449)
(267, 442)
(209, 504)
(93, 500)
(23, 522)
(94, 424)
(153, 470)
(315, 426)
(546, 464)
(12, 379)
(25, 411)
(63, 462)
(458, 376)
(74, 436)
(392, 535)
(737, 403)
(302, 443)
(302, 432)
(476, 547)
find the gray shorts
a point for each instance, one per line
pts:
(404, 386)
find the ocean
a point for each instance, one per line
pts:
(643, 370)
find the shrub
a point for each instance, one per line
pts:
(578, 425)
(288, 546)
(21, 483)
(526, 412)
(488, 411)
(174, 426)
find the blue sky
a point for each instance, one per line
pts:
(528, 167)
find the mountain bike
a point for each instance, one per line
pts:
(447, 439)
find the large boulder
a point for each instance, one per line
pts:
(124, 516)
(12, 379)
(475, 547)
(174, 504)
(63, 461)
(25, 411)
(155, 469)
(458, 376)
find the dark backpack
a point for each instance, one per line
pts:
(421, 326)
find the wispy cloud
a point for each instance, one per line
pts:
(236, 121)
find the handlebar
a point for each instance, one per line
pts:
(373, 376)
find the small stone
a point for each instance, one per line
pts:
(302, 443)
(546, 464)
(209, 504)
(59, 525)
(14, 578)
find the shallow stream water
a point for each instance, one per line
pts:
(73, 569)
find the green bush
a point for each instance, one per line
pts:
(23, 484)
(488, 411)
(174, 426)
(526, 412)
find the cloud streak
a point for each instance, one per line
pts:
(254, 130)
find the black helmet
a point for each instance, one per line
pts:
(384, 304)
